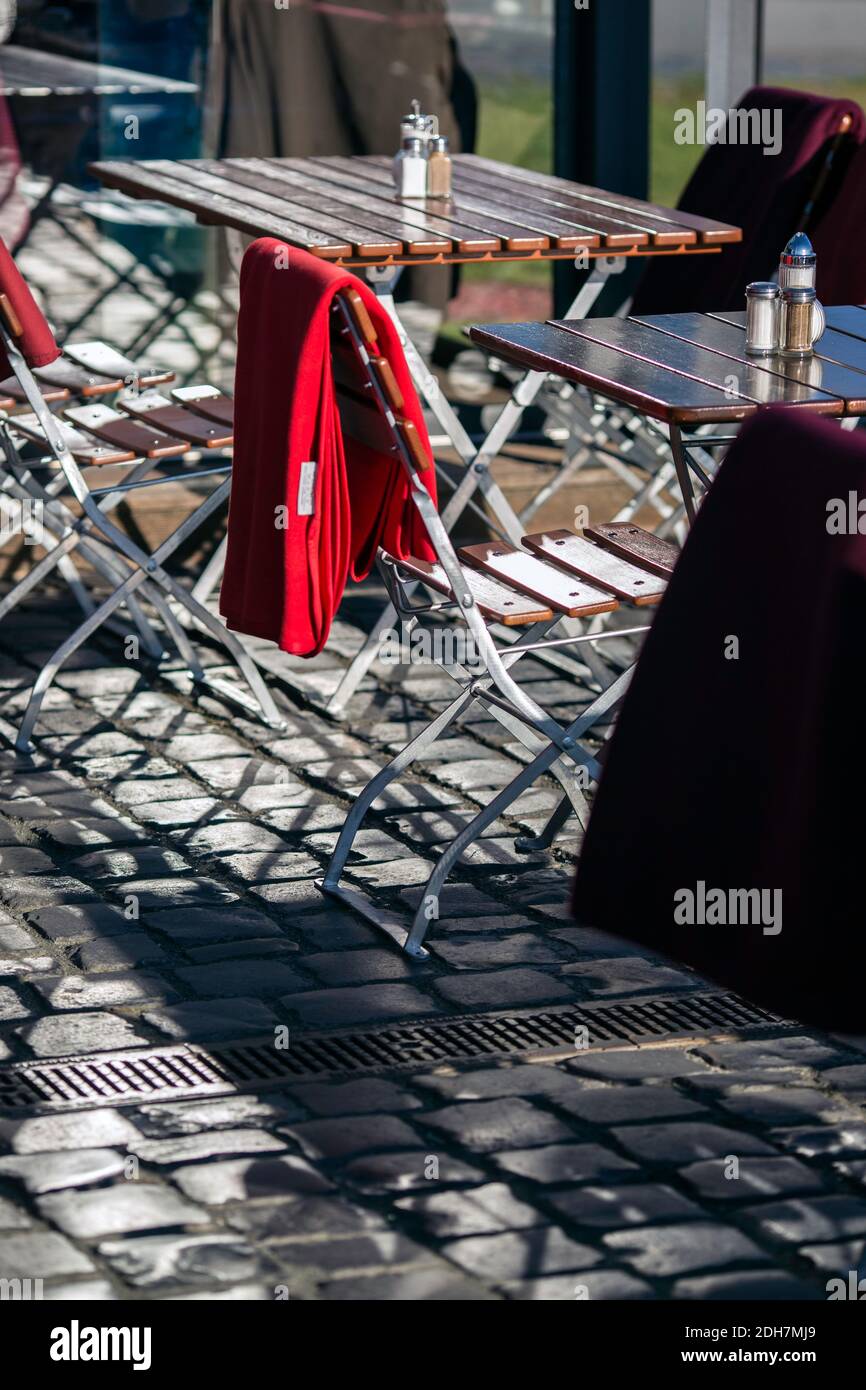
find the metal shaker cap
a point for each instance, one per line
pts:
(799, 294)
(413, 144)
(439, 144)
(799, 251)
(762, 289)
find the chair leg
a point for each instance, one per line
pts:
(383, 779)
(428, 908)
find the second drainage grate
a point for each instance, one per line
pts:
(194, 1071)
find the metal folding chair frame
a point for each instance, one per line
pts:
(136, 573)
(554, 747)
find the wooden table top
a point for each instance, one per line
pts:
(691, 368)
(29, 72)
(346, 210)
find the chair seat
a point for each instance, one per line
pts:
(145, 425)
(557, 572)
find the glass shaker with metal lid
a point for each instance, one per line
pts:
(798, 268)
(762, 318)
(798, 264)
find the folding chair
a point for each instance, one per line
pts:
(534, 585)
(145, 429)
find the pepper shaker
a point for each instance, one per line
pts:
(438, 168)
(797, 321)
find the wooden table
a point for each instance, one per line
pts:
(691, 369)
(346, 210)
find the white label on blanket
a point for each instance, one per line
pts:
(307, 490)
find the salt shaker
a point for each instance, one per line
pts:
(410, 168)
(762, 318)
(438, 168)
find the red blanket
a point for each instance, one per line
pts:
(35, 340)
(308, 508)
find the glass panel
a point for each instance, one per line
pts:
(679, 37)
(827, 56)
(507, 48)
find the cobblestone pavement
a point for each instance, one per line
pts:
(608, 1175)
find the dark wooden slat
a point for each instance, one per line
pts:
(76, 379)
(106, 361)
(124, 433)
(516, 237)
(411, 436)
(364, 242)
(12, 394)
(833, 345)
(729, 341)
(624, 227)
(494, 600)
(847, 318)
(532, 576)
(220, 408)
(364, 421)
(560, 231)
(579, 556)
(381, 236)
(377, 209)
(179, 422)
(141, 182)
(710, 231)
(84, 448)
(636, 545)
(612, 233)
(660, 349)
(661, 394)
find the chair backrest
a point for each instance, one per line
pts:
(738, 761)
(22, 319)
(838, 239)
(366, 386)
(770, 196)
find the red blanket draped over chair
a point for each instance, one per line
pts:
(26, 322)
(309, 507)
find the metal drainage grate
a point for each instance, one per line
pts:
(192, 1070)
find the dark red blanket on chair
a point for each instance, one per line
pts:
(739, 760)
(308, 507)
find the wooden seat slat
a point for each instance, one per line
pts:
(579, 556)
(640, 547)
(542, 581)
(496, 601)
(151, 409)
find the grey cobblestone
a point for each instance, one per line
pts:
(192, 913)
